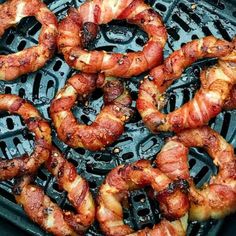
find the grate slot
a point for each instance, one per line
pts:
(206, 31)
(181, 23)
(201, 174)
(10, 39)
(35, 29)
(195, 228)
(7, 195)
(173, 33)
(8, 90)
(3, 147)
(226, 122)
(161, 7)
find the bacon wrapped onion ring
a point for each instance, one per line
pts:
(30, 59)
(216, 199)
(172, 198)
(208, 100)
(109, 124)
(38, 126)
(49, 215)
(81, 26)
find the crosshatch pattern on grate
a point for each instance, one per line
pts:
(185, 20)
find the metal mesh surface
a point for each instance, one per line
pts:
(185, 20)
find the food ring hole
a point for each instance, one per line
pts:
(87, 111)
(176, 96)
(120, 36)
(201, 166)
(23, 140)
(142, 210)
(29, 27)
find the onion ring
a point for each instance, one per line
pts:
(49, 215)
(173, 200)
(34, 58)
(216, 199)
(208, 101)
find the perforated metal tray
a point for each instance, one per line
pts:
(185, 20)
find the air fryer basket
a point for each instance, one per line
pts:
(185, 20)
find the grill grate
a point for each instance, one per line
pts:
(185, 20)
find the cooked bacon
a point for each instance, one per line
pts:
(172, 199)
(108, 125)
(230, 102)
(30, 59)
(216, 199)
(208, 100)
(38, 126)
(81, 26)
(49, 215)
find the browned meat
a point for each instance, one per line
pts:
(230, 102)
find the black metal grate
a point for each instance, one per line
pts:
(185, 20)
